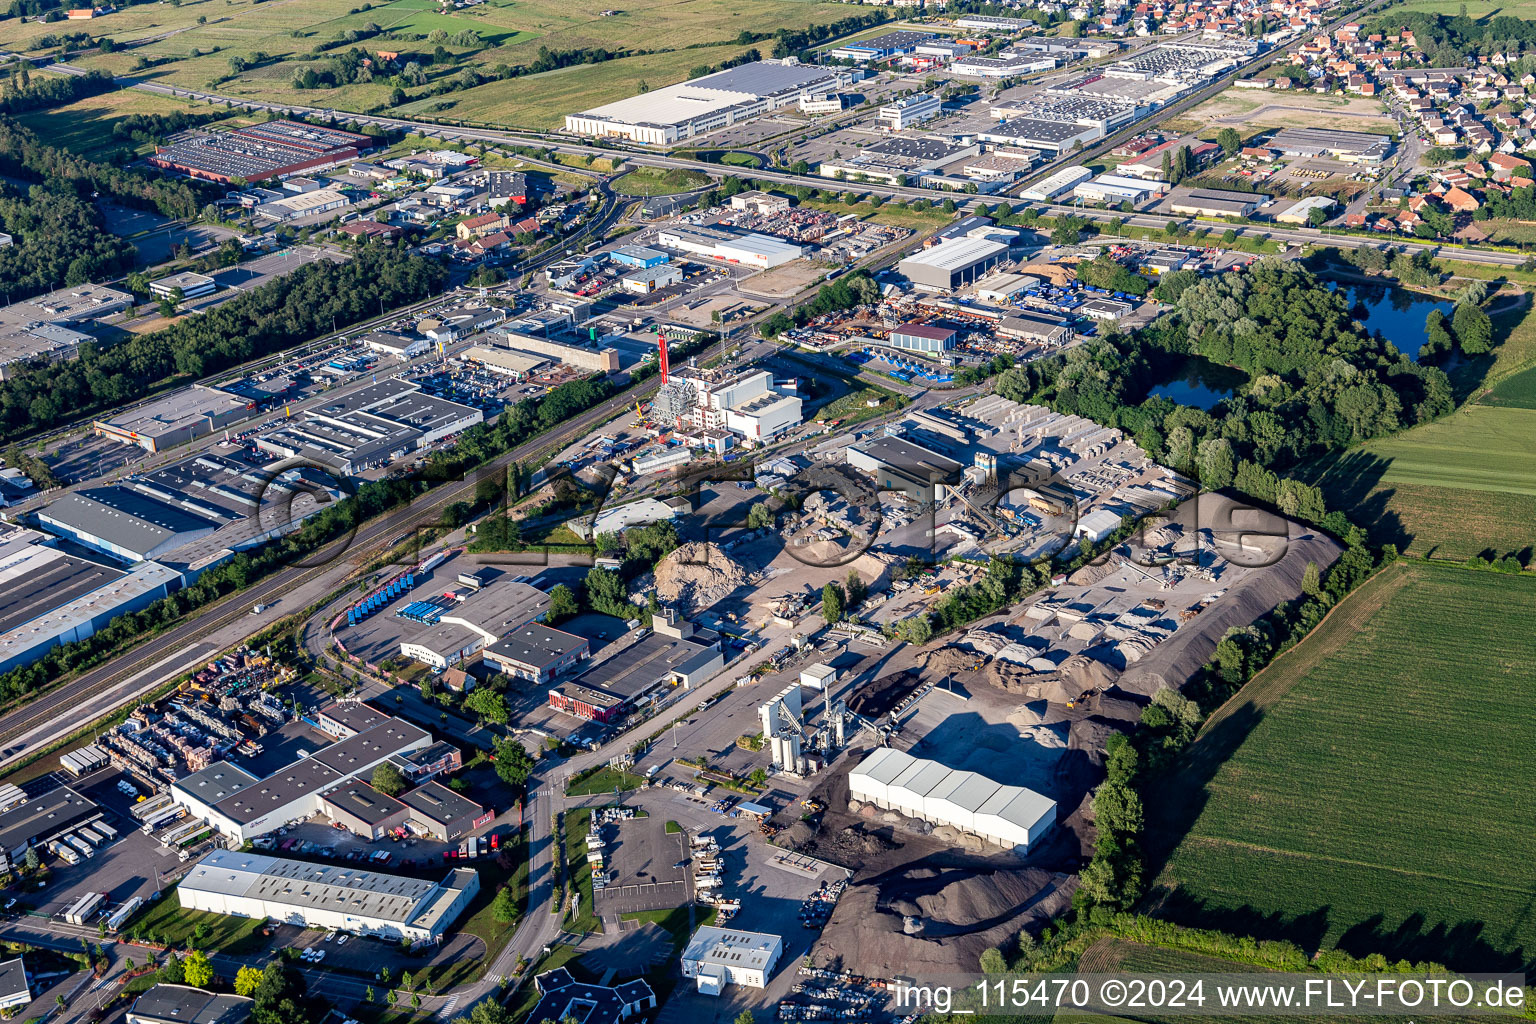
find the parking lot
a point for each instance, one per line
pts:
(647, 868)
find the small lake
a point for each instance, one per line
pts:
(1396, 312)
(1199, 382)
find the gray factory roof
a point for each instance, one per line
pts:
(899, 453)
(923, 149)
(536, 645)
(183, 1004)
(44, 816)
(365, 894)
(890, 41)
(13, 978)
(195, 404)
(369, 747)
(438, 803)
(1308, 140)
(43, 579)
(217, 782)
(1032, 129)
(643, 664)
(125, 518)
(956, 253)
(364, 802)
(763, 78)
(278, 790)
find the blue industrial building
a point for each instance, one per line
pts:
(640, 256)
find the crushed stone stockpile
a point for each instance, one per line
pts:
(924, 919)
(697, 575)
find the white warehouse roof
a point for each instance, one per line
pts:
(1010, 816)
(957, 253)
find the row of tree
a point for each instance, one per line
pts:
(24, 155)
(22, 93)
(59, 240)
(313, 300)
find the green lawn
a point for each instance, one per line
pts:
(85, 126)
(578, 872)
(1123, 956)
(1370, 789)
(1452, 488)
(511, 33)
(887, 213)
(1517, 391)
(605, 780)
(653, 181)
(167, 923)
(1464, 484)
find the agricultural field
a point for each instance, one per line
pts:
(1366, 790)
(1517, 391)
(85, 126)
(1482, 11)
(510, 34)
(1122, 956)
(1253, 112)
(1464, 485)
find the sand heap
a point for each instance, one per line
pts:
(696, 576)
(923, 919)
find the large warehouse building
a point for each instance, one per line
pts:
(45, 327)
(179, 417)
(125, 523)
(276, 149)
(664, 116)
(1009, 816)
(749, 248)
(48, 597)
(954, 263)
(369, 427)
(329, 897)
(242, 806)
(1350, 147)
(900, 465)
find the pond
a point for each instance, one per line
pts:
(1199, 382)
(1396, 312)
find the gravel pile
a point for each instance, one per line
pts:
(698, 575)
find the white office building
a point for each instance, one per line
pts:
(744, 403)
(906, 112)
(717, 957)
(1113, 189)
(326, 896)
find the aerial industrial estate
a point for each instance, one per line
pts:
(510, 522)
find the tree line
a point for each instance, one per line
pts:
(1320, 383)
(59, 240)
(22, 93)
(306, 303)
(24, 155)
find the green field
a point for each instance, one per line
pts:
(512, 34)
(1517, 391)
(167, 923)
(1370, 789)
(1463, 485)
(85, 126)
(1481, 11)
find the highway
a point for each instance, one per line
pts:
(1151, 221)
